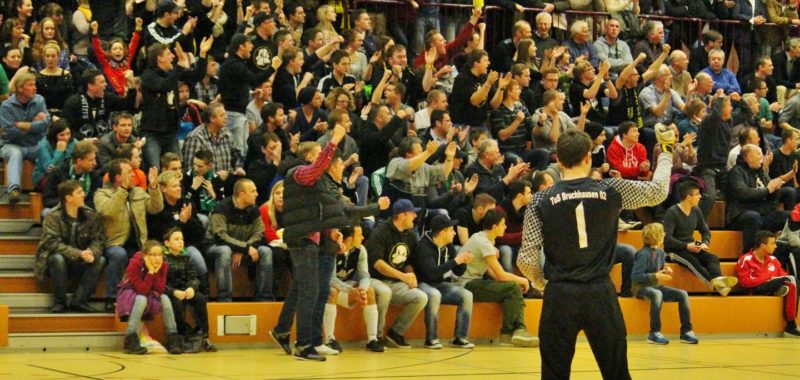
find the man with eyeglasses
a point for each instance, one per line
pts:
(549, 82)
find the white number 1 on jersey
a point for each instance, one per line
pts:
(580, 218)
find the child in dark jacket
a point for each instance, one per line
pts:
(182, 287)
(141, 296)
(648, 276)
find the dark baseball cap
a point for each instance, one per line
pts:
(260, 17)
(440, 222)
(403, 205)
(237, 40)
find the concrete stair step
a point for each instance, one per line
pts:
(20, 243)
(32, 303)
(80, 341)
(17, 262)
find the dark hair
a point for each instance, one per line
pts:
(685, 188)
(119, 116)
(762, 237)
(266, 137)
(171, 231)
(437, 116)
(572, 147)
(538, 180)
(349, 36)
(517, 187)
(744, 134)
(711, 36)
(153, 52)
(88, 76)
(150, 244)
(357, 13)
(787, 133)
(483, 200)
(290, 9)
(335, 117)
(55, 128)
(67, 188)
(124, 151)
(205, 155)
(83, 149)
(518, 68)
(338, 55)
(625, 127)
(114, 168)
(474, 57)
(270, 110)
(281, 34)
(308, 35)
(406, 145)
(475, 133)
(492, 218)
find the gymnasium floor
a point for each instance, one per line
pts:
(752, 359)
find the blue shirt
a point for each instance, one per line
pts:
(726, 80)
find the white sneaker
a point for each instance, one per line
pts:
(730, 281)
(724, 291)
(718, 283)
(325, 350)
(523, 338)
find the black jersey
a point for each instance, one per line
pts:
(575, 223)
(347, 264)
(580, 246)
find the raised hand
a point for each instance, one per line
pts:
(94, 27)
(186, 213)
(432, 147)
(205, 45)
(431, 55)
(152, 176)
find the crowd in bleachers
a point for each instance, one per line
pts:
(174, 138)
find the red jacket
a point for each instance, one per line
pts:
(452, 48)
(143, 282)
(752, 273)
(115, 71)
(270, 234)
(627, 161)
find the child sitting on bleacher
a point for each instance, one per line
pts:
(182, 288)
(648, 275)
(760, 273)
(141, 296)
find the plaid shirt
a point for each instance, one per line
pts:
(502, 118)
(650, 97)
(226, 155)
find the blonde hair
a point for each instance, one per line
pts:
(271, 211)
(653, 234)
(165, 178)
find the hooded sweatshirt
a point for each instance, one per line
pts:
(627, 160)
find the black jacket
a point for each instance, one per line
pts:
(432, 263)
(375, 145)
(96, 120)
(159, 224)
(743, 195)
(160, 96)
(235, 81)
(781, 73)
(62, 173)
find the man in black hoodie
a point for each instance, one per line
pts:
(160, 119)
(753, 197)
(438, 262)
(235, 82)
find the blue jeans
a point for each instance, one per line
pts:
(156, 145)
(327, 263)
(422, 26)
(223, 255)
(448, 294)
(624, 253)
(508, 256)
(661, 294)
(304, 292)
(117, 258)
(198, 260)
(237, 125)
(14, 156)
(60, 268)
(750, 222)
(140, 304)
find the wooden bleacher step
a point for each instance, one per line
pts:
(727, 245)
(17, 262)
(31, 303)
(29, 207)
(59, 323)
(20, 243)
(83, 341)
(27, 175)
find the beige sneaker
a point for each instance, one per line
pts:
(522, 338)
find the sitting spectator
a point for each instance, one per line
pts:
(89, 112)
(590, 88)
(237, 233)
(627, 155)
(438, 264)
(134, 155)
(579, 45)
(764, 71)
(274, 120)
(311, 121)
(391, 248)
(142, 296)
(122, 133)
(752, 197)
(470, 217)
(703, 88)
(492, 178)
(272, 217)
(681, 79)
(171, 162)
(652, 45)
(502, 287)
(54, 149)
(695, 113)
(52, 82)
(649, 275)
(123, 208)
(179, 213)
(189, 111)
(514, 205)
(723, 78)
(523, 75)
(409, 176)
(784, 160)
(265, 168)
(505, 52)
(680, 223)
(542, 36)
(552, 121)
(377, 137)
(436, 101)
(71, 246)
(747, 136)
(24, 120)
(659, 104)
(290, 80)
(472, 91)
(788, 251)
(357, 184)
(711, 40)
(80, 168)
(215, 137)
(761, 273)
(182, 287)
(261, 97)
(339, 76)
(351, 285)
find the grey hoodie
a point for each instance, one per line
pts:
(618, 55)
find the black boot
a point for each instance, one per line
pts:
(174, 344)
(132, 345)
